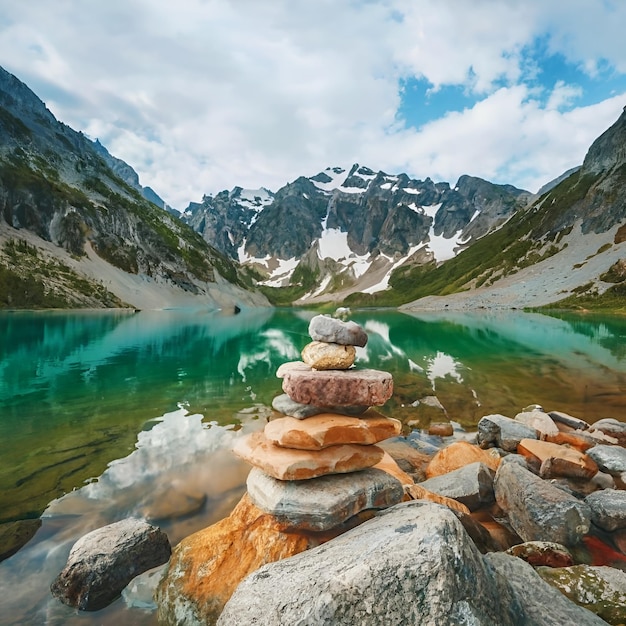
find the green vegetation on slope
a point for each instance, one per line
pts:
(30, 281)
(531, 235)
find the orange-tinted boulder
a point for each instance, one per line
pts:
(457, 455)
(206, 567)
(442, 429)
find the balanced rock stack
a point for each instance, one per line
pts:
(315, 467)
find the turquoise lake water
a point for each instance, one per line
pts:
(109, 414)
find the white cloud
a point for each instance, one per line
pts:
(203, 95)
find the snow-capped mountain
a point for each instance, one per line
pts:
(346, 229)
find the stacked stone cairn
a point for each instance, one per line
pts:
(316, 466)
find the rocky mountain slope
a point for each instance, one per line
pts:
(568, 248)
(345, 230)
(75, 230)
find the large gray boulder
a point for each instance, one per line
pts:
(503, 432)
(471, 485)
(411, 565)
(537, 510)
(104, 561)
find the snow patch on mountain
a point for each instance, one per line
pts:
(333, 244)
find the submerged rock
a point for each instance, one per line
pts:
(104, 561)
(15, 535)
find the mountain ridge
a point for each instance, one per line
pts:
(346, 229)
(56, 188)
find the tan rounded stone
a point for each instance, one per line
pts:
(328, 356)
(457, 455)
(329, 429)
(290, 464)
(338, 388)
(557, 460)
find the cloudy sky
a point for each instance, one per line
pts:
(202, 95)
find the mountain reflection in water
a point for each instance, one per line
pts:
(112, 414)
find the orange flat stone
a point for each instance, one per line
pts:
(581, 442)
(557, 460)
(417, 492)
(291, 464)
(457, 455)
(330, 429)
(389, 465)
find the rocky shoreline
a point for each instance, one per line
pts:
(349, 521)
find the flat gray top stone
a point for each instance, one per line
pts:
(331, 330)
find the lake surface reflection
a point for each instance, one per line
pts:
(107, 415)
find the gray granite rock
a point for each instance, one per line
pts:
(411, 564)
(285, 405)
(104, 561)
(610, 459)
(598, 588)
(324, 502)
(537, 510)
(568, 420)
(613, 428)
(541, 605)
(331, 330)
(503, 432)
(608, 508)
(471, 485)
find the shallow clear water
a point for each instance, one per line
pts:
(106, 415)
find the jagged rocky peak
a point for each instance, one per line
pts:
(608, 150)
